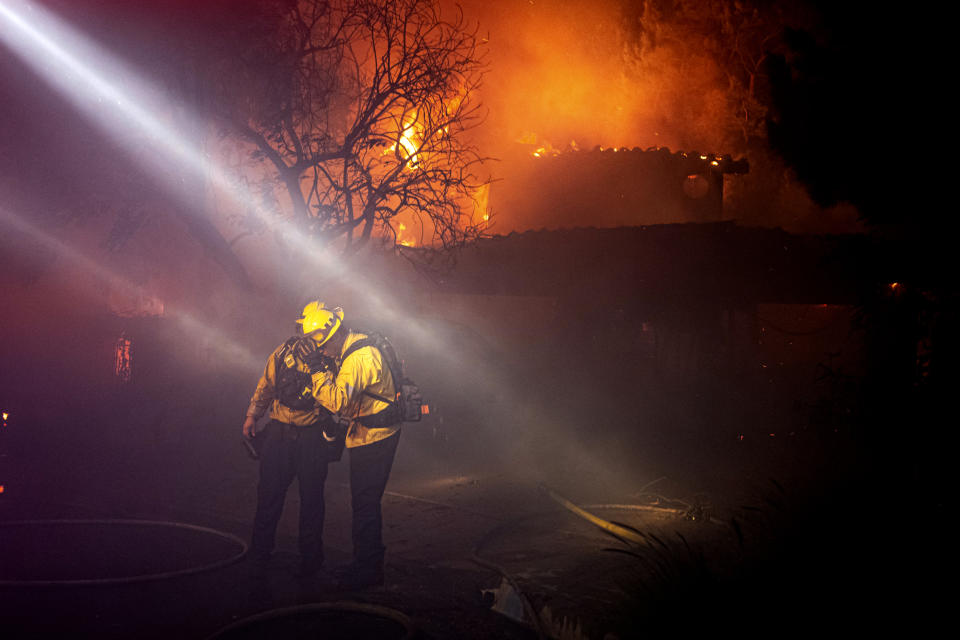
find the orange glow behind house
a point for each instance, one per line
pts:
(570, 74)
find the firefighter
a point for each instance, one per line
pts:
(290, 445)
(358, 389)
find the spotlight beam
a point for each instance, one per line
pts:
(111, 95)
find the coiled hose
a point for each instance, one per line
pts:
(241, 544)
(322, 607)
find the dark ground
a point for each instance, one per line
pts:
(775, 566)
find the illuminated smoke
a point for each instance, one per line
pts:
(564, 71)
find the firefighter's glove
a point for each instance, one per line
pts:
(306, 351)
(319, 362)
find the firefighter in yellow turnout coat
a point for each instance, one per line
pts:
(292, 446)
(358, 389)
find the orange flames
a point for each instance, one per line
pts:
(543, 148)
(409, 140)
(412, 135)
(481, 205)
(405, 242)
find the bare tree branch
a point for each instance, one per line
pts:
(363, 108)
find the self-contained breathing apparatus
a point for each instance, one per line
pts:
(407, 404)
(295, 387)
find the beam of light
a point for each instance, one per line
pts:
(111, 95)
(105, 90)
(231, 352)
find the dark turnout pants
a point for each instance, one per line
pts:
(289, 452)
(369, 470)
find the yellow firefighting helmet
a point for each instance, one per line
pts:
(320, 323)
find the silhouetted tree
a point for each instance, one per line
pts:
(361, 109)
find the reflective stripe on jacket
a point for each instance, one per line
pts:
(364, 370)
(266, 395)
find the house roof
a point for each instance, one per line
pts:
(688, 161)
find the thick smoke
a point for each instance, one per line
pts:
(625, 73)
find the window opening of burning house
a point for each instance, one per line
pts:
(123, 359)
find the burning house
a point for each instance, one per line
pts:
(612, 187)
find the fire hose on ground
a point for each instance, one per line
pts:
(361, 608)
(273, 614)
(614, 529)
(165, 575)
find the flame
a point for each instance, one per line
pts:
(406, 242)
(481, 203)
(543, 148)
(410, 139)
(5, 416)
